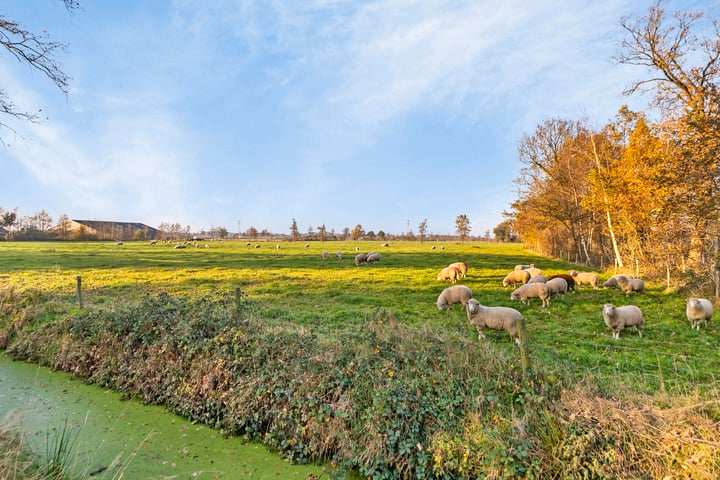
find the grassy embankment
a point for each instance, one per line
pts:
(355, 365)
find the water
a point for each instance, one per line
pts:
(119, 439)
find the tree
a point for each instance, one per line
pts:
(252, 233)
(504, 231)
(37, 51)
(322, 231)
(422, 229)
(294, 232)
(462, 227)
(357, 232)
(9, 218)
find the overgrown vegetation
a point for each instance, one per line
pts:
(355, 366)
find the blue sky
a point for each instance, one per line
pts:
(240, 113)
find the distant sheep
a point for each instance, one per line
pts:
(433, 247)
(449, 273)
(179, 246)
(452, 295)
(568, 278)
(612, 282)
(360, 258)
(524, 267)
(532, 290)
(307, 245)
(515, 277)
(698, 310)
(338, 255)
(462, 266)
(497, 318)
(538, 279)
(277, 246)
(618, 318)
(325, 254)
(385, 245)
(585, 278)
(557, 286)
(372, 257)
(630, 285)
(257, 245)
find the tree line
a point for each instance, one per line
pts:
(643, 188)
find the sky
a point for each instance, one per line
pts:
(252, 113)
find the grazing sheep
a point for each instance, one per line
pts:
(612, 282)
(325, 255)
(532, 290)
(462, 266)
(338, 255)
(118, 243)
(153, 242)
(372, 257)
(618, 318)
(257, 245)
(452, 295)
(629, 285)
(449, 273)
(497, 318)
(357, 249)
(557, 286)
(568, 278)
(360, 258)
(179, 246)
(534, 272)
(385, 245)
(432, 248)
(538, 279)
(515, 277)
(277, 246)
(247, 244)
(698, 310)
(585, 278)
(523, 267)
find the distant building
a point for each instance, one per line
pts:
(101, 230)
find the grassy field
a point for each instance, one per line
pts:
(295, 284)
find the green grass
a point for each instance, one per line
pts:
(295, 284)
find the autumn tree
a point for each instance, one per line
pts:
(462, 227)
(357, 232)
(422, 229)
(37, 51)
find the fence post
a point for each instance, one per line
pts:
(79, 290)
(524, 355)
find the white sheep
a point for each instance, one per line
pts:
(515, 277)
(523, 267)
(585, 278)
(533, 271)
(325, 254)
(532, 290)
(360, 258)
(698, 310)
(497, 318)
(612, 282)
(629, 285)
(449, 273)
(452, 295)
(557, 286)
(338, 255)
(538, 279)
(618, 318)
(372, 257)
(462, 266)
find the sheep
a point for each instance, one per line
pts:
(338, 255)
(462, 266)
(533, 290)
(538, 279)
(372, 257)
(452, 295)
(612, 282)
(449, 273)
(307, 245)
(585, 278)
(497, 318)
(179, 246)
(515, 277)
(385, 245)
(277, 246)
(557, 286)
(325, 255)
(153, 242)
(568, 278)
(698, 310)
(534, 272)
(629, 285)
(618, 318)
(360, 258)
(432, 248)
(257, 245)
(523, 267)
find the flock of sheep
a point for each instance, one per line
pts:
(531, 283)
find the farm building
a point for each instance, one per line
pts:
(102, 230)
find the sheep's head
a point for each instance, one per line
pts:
(473, 306)
(608, 310)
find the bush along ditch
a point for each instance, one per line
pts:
(383, 400)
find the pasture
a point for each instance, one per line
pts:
(356, 368)
(295, 284)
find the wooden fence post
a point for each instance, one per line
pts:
(79, 290)
(524, 355)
